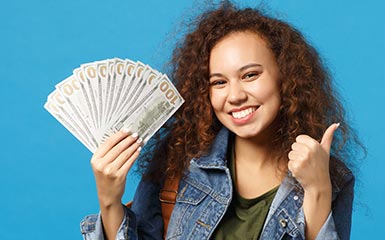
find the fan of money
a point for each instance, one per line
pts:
(102, 97)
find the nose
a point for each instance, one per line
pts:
(237, 93)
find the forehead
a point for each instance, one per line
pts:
(241, 48)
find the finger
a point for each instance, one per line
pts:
(327, 138)
(110, 143)
(128, 164)
(120, 147)
(125, 155)
(299, 147)
(305, 139)
(295, 156)
(290, 166)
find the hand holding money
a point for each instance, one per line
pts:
(111, 163)
(103, 97)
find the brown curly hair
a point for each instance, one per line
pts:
(309, 103)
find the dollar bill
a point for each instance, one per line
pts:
(102, 97)
(71, 90)
(57, 103)
(128, 98)
(92, 84)
(102, 71)
(153, 110)
(78, 73)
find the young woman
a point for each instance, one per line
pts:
(252, 146)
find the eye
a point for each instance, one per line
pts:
(217, 82)
(251, 75)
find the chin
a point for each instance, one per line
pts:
(245, 134)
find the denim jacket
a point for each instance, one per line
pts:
(205, 192)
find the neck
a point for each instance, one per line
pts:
(250, 151)
(256, 168)
(258, 149)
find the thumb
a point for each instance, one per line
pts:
(327, 138)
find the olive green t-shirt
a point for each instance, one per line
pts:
(244, 218)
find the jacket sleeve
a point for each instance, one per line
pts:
(338, 223)
(142, 221)
(92, 228)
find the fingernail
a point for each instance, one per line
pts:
(140, 140)
(139, 149)
(134, 135)
(125, 130)
(337, 125)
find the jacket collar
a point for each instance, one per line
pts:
(216, 156)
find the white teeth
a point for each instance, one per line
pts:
(243, 113)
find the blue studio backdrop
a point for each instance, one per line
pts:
(46, 182)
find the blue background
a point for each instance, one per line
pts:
(46, 183)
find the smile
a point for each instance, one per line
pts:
(244, 113)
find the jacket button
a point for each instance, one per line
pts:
(283, 222)
(295, 198)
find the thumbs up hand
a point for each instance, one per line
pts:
(309, 161)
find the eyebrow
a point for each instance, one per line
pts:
(240, 69)
(249, 66)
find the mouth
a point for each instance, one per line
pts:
(244, 113)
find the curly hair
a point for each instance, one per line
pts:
(309, 103)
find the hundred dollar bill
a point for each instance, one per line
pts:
(74, 117)
(125, 85)
(61, 108)
(142, 86)
(128, 97)
(102, 72)
(103, 96)
(78, 73)
(57, 114)
(153, 110)
(120, 66)
(134, 72)
(71, 91)
(93, 84)
(111, 88)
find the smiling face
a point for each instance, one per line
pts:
(244, 84)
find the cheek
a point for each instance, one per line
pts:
(216, 100)
(215, 105)
(271, 98)
(275, 104)
(268, 93)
